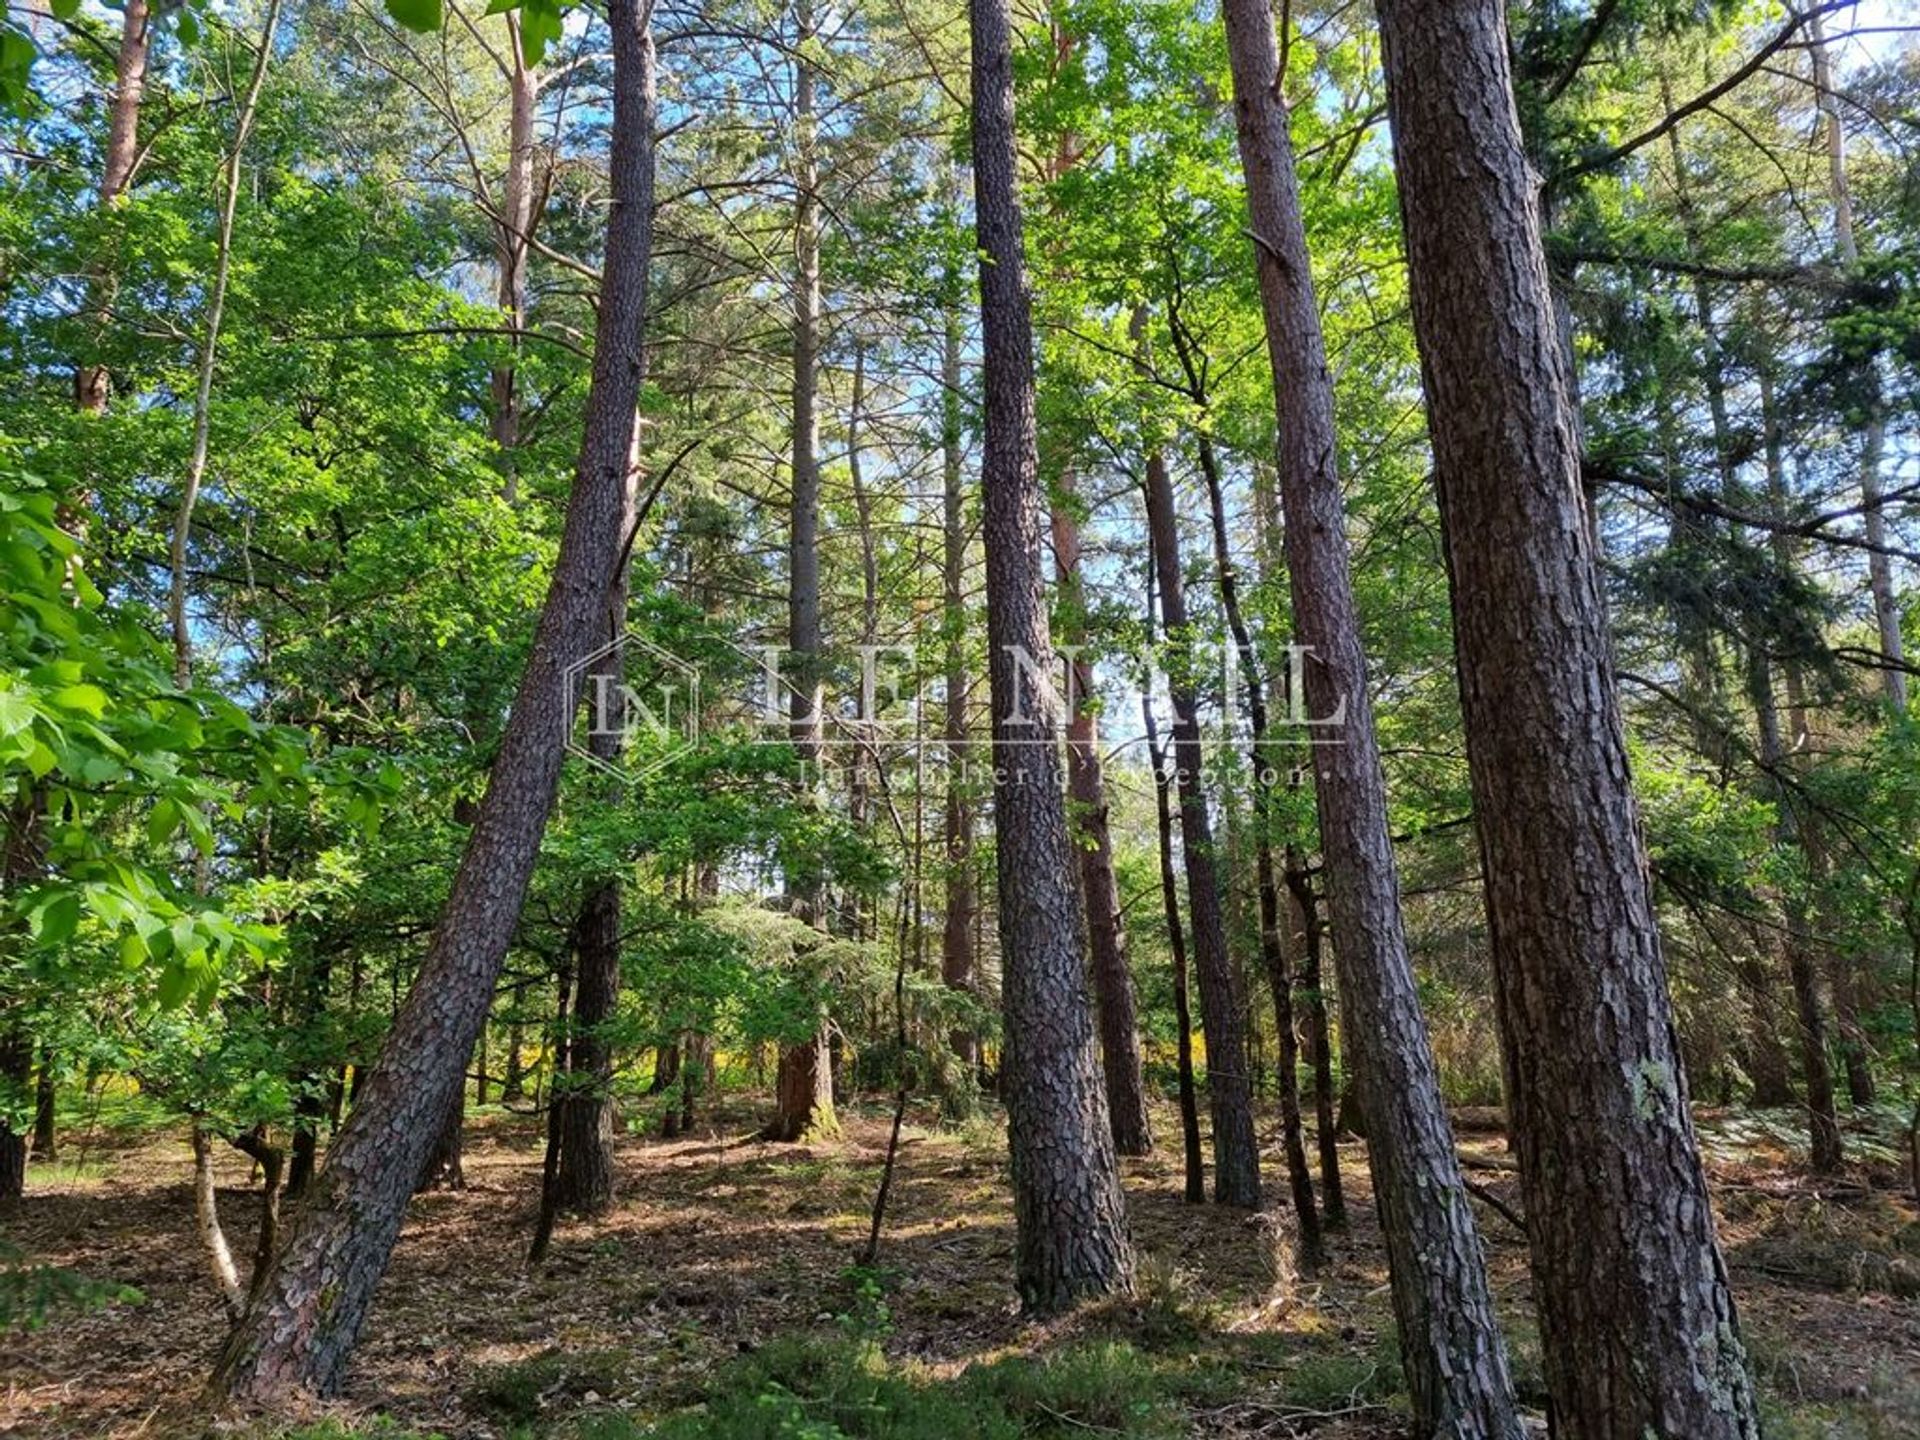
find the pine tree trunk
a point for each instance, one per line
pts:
(1636, 1315)
(1070, 1219)
(1236, 1153)
(299, 1332)
(1450, 1342)
(583, 1181)
(803, 1091)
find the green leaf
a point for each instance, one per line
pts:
(55, 921)
(162, 821)
(189, 28)
(176, 984)
(89, 699)
(539, 27)
(421, 16)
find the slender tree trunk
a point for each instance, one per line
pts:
(1195, 1163)
(45, 1103)
(22, 858)
(16, 1081)
(584, 1181)
(272, 1162)
(803, 1092)
(1822, 1120)
(513, 1084)
(209, 349)
(1070, 1218)
(1093, 845)
(1450, 1342)
(1305, 907)
(310, 1101)
(1273, 950)
(549, 1212)
(1886, 602)
(299, 1332)
(956, 937)
(1236, 1153)
(213, 1239)
(1636, 1316)
(91, 383)
(1841, 980)
(1769, 1060)
(512, 244)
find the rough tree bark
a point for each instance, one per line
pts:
(299, 1331)
(1636, 1316)
(1070, 1219)
(1450, 1341)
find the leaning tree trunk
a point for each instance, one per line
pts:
(300, 1330)
(1236, 1153)
(1070, 1219)
(1636, 1315)
(1450, 1341)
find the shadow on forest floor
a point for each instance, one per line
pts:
(721, 1298)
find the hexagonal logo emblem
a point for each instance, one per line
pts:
(632, 707)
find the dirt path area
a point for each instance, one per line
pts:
(720, 1245)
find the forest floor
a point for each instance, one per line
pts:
(723, 1292)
